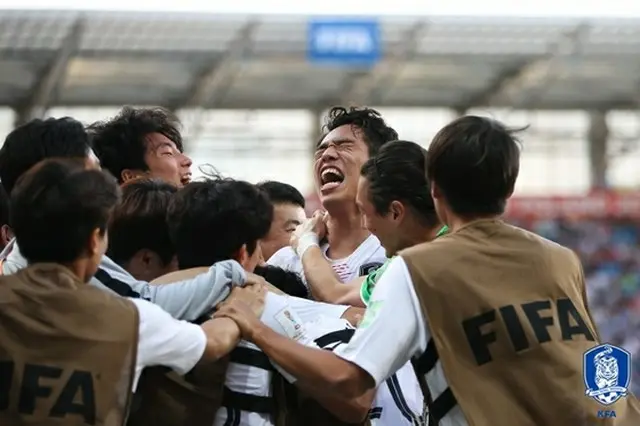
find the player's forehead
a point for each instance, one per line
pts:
(341, 135)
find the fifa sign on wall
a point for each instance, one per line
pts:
(344, 42)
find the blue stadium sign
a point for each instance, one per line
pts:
(344, 42)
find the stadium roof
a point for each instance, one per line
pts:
(70, 58)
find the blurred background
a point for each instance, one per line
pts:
(251, 81)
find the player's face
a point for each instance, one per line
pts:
(338, 159)
(382, 226)
(286, 217)
(165, 161)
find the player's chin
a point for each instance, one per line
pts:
(333, 198)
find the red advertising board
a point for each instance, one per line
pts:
(598, 205)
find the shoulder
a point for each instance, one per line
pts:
(284, 258)
(96, 298)
(148, 311)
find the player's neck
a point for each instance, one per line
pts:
(345, 232)
(456, 222)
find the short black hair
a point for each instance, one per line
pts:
(139, 221)
(282, 193)
(57, 205)
(475, 162)
(38, 140)
(288, 282)
(374, 129)
(120, 143)
(210, 220)
(4, 207)
(398, 172)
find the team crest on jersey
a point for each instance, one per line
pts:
(607, 373)
(368, 268)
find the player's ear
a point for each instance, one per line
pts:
(396, 210)
(242, 256)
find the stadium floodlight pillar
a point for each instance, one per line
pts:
(597, 138)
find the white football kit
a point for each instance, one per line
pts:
(248, 398)
(399, 401)
(398, 323)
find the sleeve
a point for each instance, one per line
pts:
(309, 310)
(166, 341)
(186, 300)
(370, 282)
(393, 329)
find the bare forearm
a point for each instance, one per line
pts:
(314, 368)
(325, 285)
(223, 335)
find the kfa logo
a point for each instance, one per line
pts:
(607, 373)
(369, 268)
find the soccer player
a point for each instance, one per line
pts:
(288, 213)
(495, 317)
(396, 205)
(352, 137)
(139, 238)
(142, 142)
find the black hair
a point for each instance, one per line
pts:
(57, 205)
(475, 161)
(367, 120)
(4, 207)
(211, 220)
(398, 173)
(38, 140)
(121, 142)
(288, 282)
(281, 193)
(139, 221)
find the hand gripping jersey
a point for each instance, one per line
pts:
(67, 350)
(368, 257)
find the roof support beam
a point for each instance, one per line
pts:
(48, 84)
(211, 86)
(216, 80)
(529, 78)
(368, 88)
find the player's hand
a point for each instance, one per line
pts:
(252, 295)
(237, 310)
(309, 233)
(254, 279)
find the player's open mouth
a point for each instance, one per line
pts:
(330, 178)
(185, 179)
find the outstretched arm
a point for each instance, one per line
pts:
(186, 300)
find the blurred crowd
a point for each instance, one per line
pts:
(611, 257)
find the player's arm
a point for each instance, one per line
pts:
(349, 410)
(323, 282)
(391, 333)
(187, 299)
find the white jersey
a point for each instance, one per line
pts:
(392, 406)
(397, 331)
(369, 256)
(250, 372)
(400, 400)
